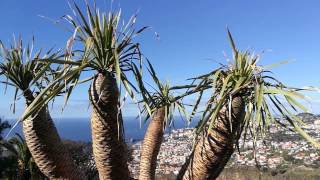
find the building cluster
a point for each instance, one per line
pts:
(280, 148)
(173, 152)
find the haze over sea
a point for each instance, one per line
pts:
(78, 129)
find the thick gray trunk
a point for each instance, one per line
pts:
(215, 146)
(151, 145)
(46, 148)
(109, 148)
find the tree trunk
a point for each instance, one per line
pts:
(46, 147)
(151, 145)
(109, 148)
(215, 147)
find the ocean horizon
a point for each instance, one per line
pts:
(79, 129)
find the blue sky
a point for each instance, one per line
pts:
(192, 38)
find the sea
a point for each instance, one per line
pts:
(79, 129)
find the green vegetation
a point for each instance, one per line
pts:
(18, 163)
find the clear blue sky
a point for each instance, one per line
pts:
(192, 37)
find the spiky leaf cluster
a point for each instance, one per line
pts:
(264, 96)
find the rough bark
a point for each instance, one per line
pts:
(215, 146)
(151, 145)
(109, 149)
(45, 146)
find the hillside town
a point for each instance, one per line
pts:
(281, 149)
